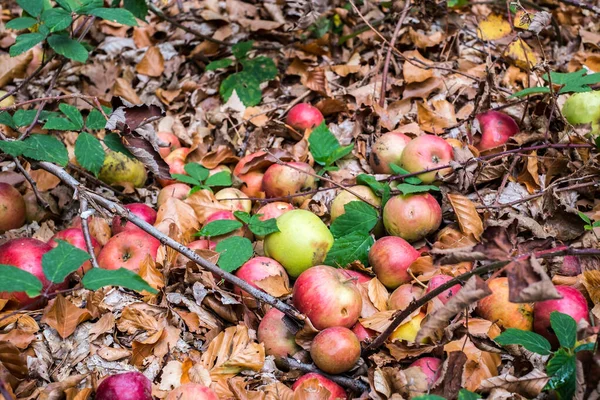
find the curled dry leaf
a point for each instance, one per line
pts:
(275, 285)
(21, 339)
(133, 320)
(153, 63)
(466, 213)
(56, 390)
(203, 203)
(64, 316)
(180, 213)
(528, 282)
(378, 294)
(413, 70)
(13, 67)
(401, 351)
(530, 385)
(436, 119)
(449, 382)
(151, 274)
(13, 360)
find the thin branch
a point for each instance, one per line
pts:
(353, 384)
(32, 183)
(85, 213)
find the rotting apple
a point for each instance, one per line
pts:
(387, 150)
(228, 196)
(279, 341)
(177, 190)
(344, 197)
(573, 303)
(335, 350)
(128, 250)
(192, 391)
(26, 254)
(327, 297)
(304, 116)
(256, 269)
(583, 108)
(12, 208)
(413, 216)
(496, 129)
(126, 386)
(119, 169)
(427, 152)
(282, 180)
(75, 237)
(363, 334)
(497, 308)
(390, 257)
(403, 296)
(437, 281)
(303, 241)
(408, 331)
(430, 366)
(170, 139)
(335, 390)
(141, 210)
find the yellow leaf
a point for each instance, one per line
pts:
(494, 27)
(467, 215)
(521, 54)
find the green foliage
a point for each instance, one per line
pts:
(62, 261)
(71, 121)
(138, 8)
(234, 252)
(256, 226)
(530, 340)
(358, 217)
(97, 278)
(113, 142)
(349, 248)
(219, 227)
(17, 280)
(89, 152)
(457, 4)
(565, 328)
(219, 64)
(572, 82)
(325, 148)
(199, 178)
(245, 85)
(429, 397)
(589, 225)
(562, 370)
(464, 394)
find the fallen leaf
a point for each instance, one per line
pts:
(521, 54)
(436, 119)
(13, 67)
(466, 213)
(13, 360)
(275, 285)
(378, 294)
(451, 375)
(151, 274)
(203, 203)
(412, 69)
(123, 88)
(528, 282)
(153, 63)
(64, 316)
(494, 27)
(180, 213)
(529, 385)
(311, 389)
(423, 40)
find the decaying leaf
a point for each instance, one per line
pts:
(180, 213)
(529, 385)
(466, 213)
(528, 282)
(65, 316)
(436, 119)
(153, 63)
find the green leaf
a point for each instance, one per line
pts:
(321, 27)
(62, 261)
(562, 370)
(574, 82)
(7, 119)
(60, 124)
(98, 278)
(322, 144)
(386, 195)
(459, 4)
(370, 181)
(17, 280)
(262, 68)
(596, 224)
(196, 171)
(584, 217)
(585, 347)
(219, 64)
(21, 23)
(89, 152)
(407, 188)
(222, 178)
(73, 114)
(113, 142)
(26, 117)
(234, 252)
(69, 5)
(340, 152)
(530, 91)
(25, 42)
(139, 8)
(15, 147)
(46, 148)
(429, 397)
(118, 15)
(32, 7)
(530, 340)
(242, 216)
(358, 217)
(464, 394)
(70, 48)
(219, 227)
(241, 49)
(398, 170)
(57, 19)
(245, 85)
(262, 228)
(565, 328)
(350, 248)
(186, 179)
(95, 120)
(85, 6)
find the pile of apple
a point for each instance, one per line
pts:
(329, 297)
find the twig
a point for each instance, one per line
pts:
(388, 56)
(32, 183)
(85, 213)
(28, 79)
(354, 385)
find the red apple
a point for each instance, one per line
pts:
(219, 215)
(74, 236)
(128, 250)
(304, 116)
(126, 386)
(202, 244)
(192, 391)
(177, 190)
(26, 254)
(141, 210)
(257, 269)
(430, 366)
(176, 162)
(277, 338)
(172, 141)
(497, 308)
(252, 180)
(390, 258)
(403, 296)
(227, 215)
(226, 195)
(327, 297)
(573, 303)
(496, 129)
(335, 350)
(426, 152)
(337, 392)
(357, 277)
(363, 333)
(439, 280)
(281, 180)
(12, 208)
(274, 210)
(387, 150)
(413, 216)
(571, 266)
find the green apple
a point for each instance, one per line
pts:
(303, 241)
(583, 108)
(118, 168)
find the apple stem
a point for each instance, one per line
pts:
(353, 384)
(416, 279)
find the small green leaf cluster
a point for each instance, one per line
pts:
(58, 264)
(46, 22)
(199, 178)
(572, 82)
(463, 394)
(324, 25)
(235, 251)
(246, 83)
(326, 149)
(589, 224)
(561, 367)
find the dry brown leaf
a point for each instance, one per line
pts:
(113, 354)
(219, 155)
(122, 88)
(275, 285)
(311, 389)
(192, 320)
(451, 238)
(231, 352)
(521, 54)
(422, 90)
(21, 339)
(13, 360)
(105, 324)
(76, 394)
(151, 274)
(64, 316)
(144, 348)
(379, 321)
(438, 118)
(56, 390)
(13, 67)
(153, 63)
(44, 180)
(451, 375)
(378, 294)
(591, 281)
(412, 71)
(178, 212)
(528, 282)
(133, 320)
(423, 40)
(530, 385)
(529, 176)
(401, 351)
(204, 203)
(316, 80)
(475, 289)
(466, 213)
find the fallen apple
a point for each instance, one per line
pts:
(252, 180)
(128, 250)
(8, 101)
(335, 350)
(177, 190)
(497, 308)
(192, 391)
(335, 390)
(75, 237)
(141, 210)
(403, 296)
(126, 386)
(344, 197)
(355, 276)
(426, 152)
(304, 116)
(12, 208)
(408, 331)
(202, 244)
(255, 270)
(281, 180)
(274, 210)
(413, 216)
(279, 341)
(496, 129)
(172, 142)
(387, 150)
(430, 366)
(437, 281)
(119, 169)
(363, 334)
(391, 257)
(234, 199)
(583, 108)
